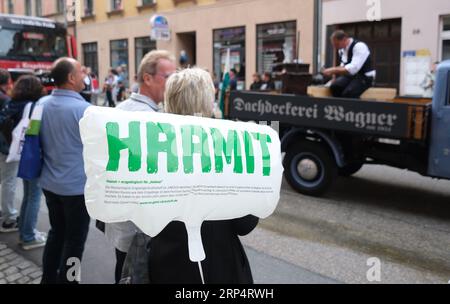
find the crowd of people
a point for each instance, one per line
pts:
(160, 87)
(115, 88)
(262, 83)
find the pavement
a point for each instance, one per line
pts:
(16, 269)
(99, 260)
(398, 217)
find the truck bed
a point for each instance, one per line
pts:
(402, 118)
(419, 116)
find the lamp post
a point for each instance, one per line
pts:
(317, 52)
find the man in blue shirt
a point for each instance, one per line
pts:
(63, 178)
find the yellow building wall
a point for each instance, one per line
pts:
(202, 19)
(130, 8)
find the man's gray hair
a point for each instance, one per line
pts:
(149, 64)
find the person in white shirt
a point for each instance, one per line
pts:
(153, 72)
(87, 91)
(355, 74)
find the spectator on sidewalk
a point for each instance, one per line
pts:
(63, 178)
(110, 87)
(257, 82)
(189, 92)
(87, 90)
(153, 72)
(233, 80)
(135, 86)
(8, 171)
(95, 89)
(267, 83)
(28, 89)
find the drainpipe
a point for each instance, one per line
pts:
(317, 40)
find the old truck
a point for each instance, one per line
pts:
(327, 137)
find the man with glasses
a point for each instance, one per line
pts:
(153, 72)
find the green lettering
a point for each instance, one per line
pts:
(264, 139)
(227, 147)
(189, 148)
(155, 146)
(249, 154)
(132, 143)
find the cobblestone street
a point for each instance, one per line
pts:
(15, 269)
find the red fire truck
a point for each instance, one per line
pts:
(29, 45)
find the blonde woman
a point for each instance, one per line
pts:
(191, 92)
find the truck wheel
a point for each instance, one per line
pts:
(309, 168)
(350, 169)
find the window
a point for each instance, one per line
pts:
(119, 53)
(448, 88)
(36, 45)
(28, 8)
(147, 2)
(116, 5)
(90, 56)
(11, 7)
(88, 7)
(60, 6)
(276, 43)
(447, 23)
(445, 37)
(446, 50)
(38, 7)
(143, 45)
(233, 39)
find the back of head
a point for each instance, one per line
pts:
(27, 88)
(61, 70)
(4, 77)
(190, 92)
(149, 63)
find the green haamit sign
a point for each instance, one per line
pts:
(237, 146)
(154, 168)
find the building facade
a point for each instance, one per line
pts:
(409, 36)
(259, 33)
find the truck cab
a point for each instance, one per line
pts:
(30, 45)
(439, 158)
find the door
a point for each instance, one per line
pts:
(439, 161)
(187, 49)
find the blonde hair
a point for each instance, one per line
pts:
(190, 92)
(149, 64)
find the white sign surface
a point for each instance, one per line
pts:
(153, 168)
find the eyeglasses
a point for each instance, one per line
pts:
(165, 76)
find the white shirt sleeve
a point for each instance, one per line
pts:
(360, 54)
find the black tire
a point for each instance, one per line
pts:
(321, 176)
(350, 169)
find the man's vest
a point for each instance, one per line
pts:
(367, 66)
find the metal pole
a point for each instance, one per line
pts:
(75, 22)
(65, 14)
(317, 52)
